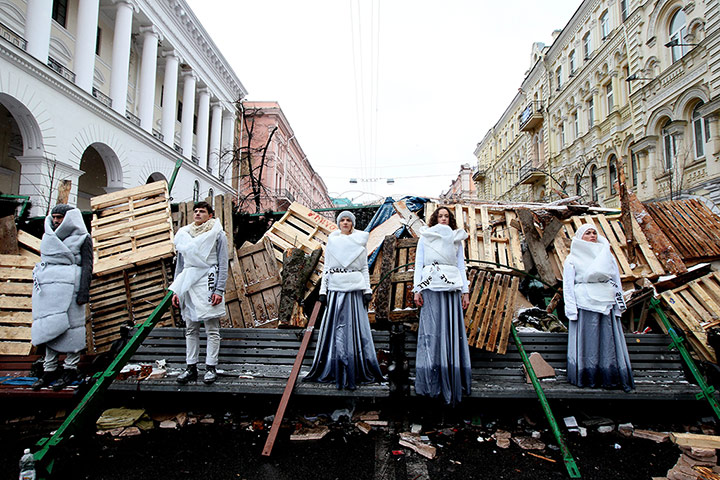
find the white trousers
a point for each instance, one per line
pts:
(50, 364)
(192, 341)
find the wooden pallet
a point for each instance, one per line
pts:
(493, 235)
(301, 228)
(691, 227)
(492, 306)
(129, 295)
(394, 299)
(695, 309)
(610, 227)
(16, 283)
(131, 227)
(257, 282)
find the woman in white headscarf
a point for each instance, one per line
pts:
(345, 352)
(442, 364)
(597, 352)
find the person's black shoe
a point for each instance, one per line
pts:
(210, 374)
(69, 375)
(45, 379)
(189, 375)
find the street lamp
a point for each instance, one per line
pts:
(634, 77)
(676, 43)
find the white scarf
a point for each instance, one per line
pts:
(595, 269)
(342, 250)
(440, 248)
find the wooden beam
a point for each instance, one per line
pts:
(63, 191)
(536, 246)
(695, 440)
(8, 236)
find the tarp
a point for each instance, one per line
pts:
(386, 211)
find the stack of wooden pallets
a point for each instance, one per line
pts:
(392, 278)
(695, 309)
(16, 296)
(691, 227)
(257, 279)
(131, 227)
(132, 235)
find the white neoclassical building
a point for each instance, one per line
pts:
(109, 94)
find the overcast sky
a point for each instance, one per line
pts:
(377, 89)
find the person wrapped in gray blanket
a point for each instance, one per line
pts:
(61, 288)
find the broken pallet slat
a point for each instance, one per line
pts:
(257, 279)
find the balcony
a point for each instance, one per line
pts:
(134, 119)
(178, 148)
(104, 99)
(531, 117)
(479, 175)
(530, 174)
(195, 159)
(284, 193)
(156, 133)
(12, 37)
(61, 69)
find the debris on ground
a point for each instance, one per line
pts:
(314, 433)
(502, 438)
(657, 437)
(415, 442)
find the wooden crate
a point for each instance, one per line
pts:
(129, 295)
(492, 234)
(301, 228)
(256, 277)
(690, 226)
(610, 226)
(16, 283)
(488, 319)
(131, 227)
(394, 299)
(696, 308)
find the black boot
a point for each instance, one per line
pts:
(45, 379)
(189, 375)
(69, 375)
(210, 374)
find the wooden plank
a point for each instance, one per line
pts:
(412, 221)
(15, 273)
(19, 318)
(16, 261)
(488, 254)
(509, 314)
(28, 241)
(16, 303)
(15, 333)
(378, 234)
(121, 196)
(15, 348)
(695, 440)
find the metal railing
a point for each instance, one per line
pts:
(12, 37)
(134, 119)
(156, 133)
(104, 99)
(61, 69)
(531, 109)
(284, 193)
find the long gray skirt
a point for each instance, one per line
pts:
(345, 352)
(597, 352)
(442, 365)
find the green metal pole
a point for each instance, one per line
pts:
(707, 391)
(567, 456)
(44, 457)
(171, 183)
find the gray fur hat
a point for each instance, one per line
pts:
(346, 214)
(61, 209)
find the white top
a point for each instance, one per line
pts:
(346, 267)
(440, 260)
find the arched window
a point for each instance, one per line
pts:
(700, 131)
(587, 45)
(593, 183)
(669, 148)
(196, 191)
(634, 168)
(678, 30)
(624, 9)
(211, 194)
(578, 187)
(612, 173)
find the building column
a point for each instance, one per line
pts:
(37, 28)
(85, 43)
(203, 127)
(712, 147)
(227, 140)
(169, 102)
(121, 56)
(148, 69)
(617, 94)
(188, 112)
(215, 136)
(597, 105)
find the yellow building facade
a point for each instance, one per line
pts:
(624, 80)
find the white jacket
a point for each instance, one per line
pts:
(440, 261)
(346, 267)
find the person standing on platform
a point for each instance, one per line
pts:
(199, 287)
(61, 288)
(597, 353)
(441, 291)
(345, 352)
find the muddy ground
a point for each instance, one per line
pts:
(230, 447)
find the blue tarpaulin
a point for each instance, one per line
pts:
(386, 211)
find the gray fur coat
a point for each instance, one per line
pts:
(58, 320)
